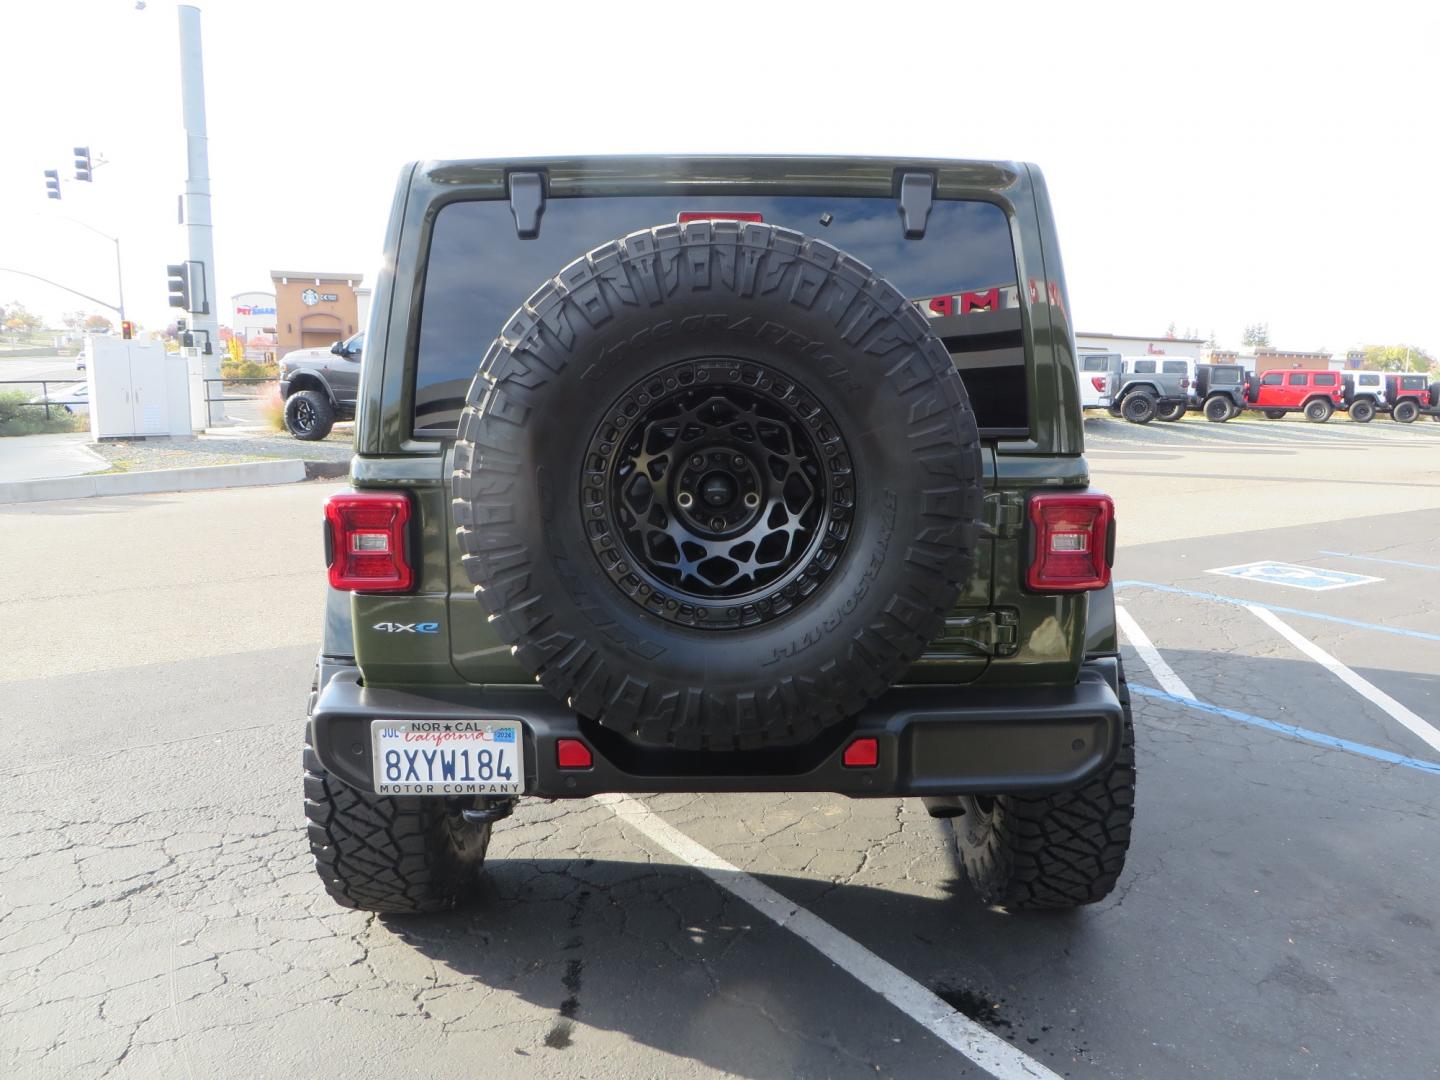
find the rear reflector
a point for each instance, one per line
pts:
(366, 545)
(717, 215)
(861, 754)
(1071, 536)
(572, 754)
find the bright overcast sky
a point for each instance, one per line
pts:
(1232, 164)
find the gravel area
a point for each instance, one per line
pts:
(136, 455)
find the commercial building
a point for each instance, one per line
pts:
(313, 310)
(252, 320)
(1133, 345)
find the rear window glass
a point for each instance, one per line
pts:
(1412, 382)
(1144, 367)
(1174, 367)
(1297, 379)
(961, 273)
(1225, 376)
(1095, 363)
(1327, 380)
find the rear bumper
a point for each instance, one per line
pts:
(932, 741)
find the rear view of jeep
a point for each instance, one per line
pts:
(719, 475)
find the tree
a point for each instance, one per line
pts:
(1256, 334)
(73, 320)
(1211, 343)
(98, 324)
(20, 321)
(1397, 358)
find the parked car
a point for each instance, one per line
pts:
(1364, 394)
(788, 484)
(73, 398)
(1219, 391)
(1315, 393)
(318, 387)
(1154, 386)
(1407, 395)
(1099, 379)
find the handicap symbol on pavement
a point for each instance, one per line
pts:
(1297, 577)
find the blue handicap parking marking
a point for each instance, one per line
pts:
(1312, 578)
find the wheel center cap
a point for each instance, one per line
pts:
(717, 490)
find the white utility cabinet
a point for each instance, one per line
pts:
(136, 389)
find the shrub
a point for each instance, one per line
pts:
(19, 418)
(272, 408)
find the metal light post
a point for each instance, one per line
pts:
(198, 225)
(119, 270)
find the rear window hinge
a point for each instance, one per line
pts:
(993, 633)
(916, 195)
(1004, 515)
(527, 202)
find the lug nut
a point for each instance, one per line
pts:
(697, 461)
(738, 461)
(686, 500)
(752, 500)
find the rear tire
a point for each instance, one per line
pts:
(1027, 853)
(1405, 412)
(389, 854)
(1362, 411)
(1275, 414)
(309, 415)
(1318, 410)
(1138, 407)
(1218, 410)
(1170, 411)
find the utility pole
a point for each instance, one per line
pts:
(197, 185)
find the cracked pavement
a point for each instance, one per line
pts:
(159, 915)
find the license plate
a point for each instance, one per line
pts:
(448, 757)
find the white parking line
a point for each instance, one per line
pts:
(1361, 686)
(1163, 672)
(983, 1047)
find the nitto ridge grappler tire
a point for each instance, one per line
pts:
(1405, 412)
(1170, 411)
(718, 485)
(1218, 409)
(1362, 410)
(1027, 853)
(387, 853)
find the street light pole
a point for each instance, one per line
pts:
(119, 270)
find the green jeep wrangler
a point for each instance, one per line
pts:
(719, 474)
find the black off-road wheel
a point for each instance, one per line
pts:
(1318, 410)
(390, 854)
(1275, 414)
(1138, 407)
(1170, 411)
(1405, 412)
(718, 484)
(309, 415)
(1362, 411)
(1028, 853)
(1219, 409)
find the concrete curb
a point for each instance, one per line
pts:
(196, 478)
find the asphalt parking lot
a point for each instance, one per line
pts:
(1278, 917)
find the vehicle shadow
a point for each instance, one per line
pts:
(660, 955)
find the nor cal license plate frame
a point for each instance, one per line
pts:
(447, 757)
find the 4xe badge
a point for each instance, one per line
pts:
(407, 627)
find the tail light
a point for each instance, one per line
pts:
(1184, 384)
(1073, 542)
(1098, 382)
(367, 543)
(717, 215)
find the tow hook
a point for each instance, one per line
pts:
(490, 809)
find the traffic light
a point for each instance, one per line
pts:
(179, 274)
(52, 183)
(127, 330)
(83, 168)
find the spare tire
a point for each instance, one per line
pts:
(718, 484)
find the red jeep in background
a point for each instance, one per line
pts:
(1407, 395)
(1316, 393)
